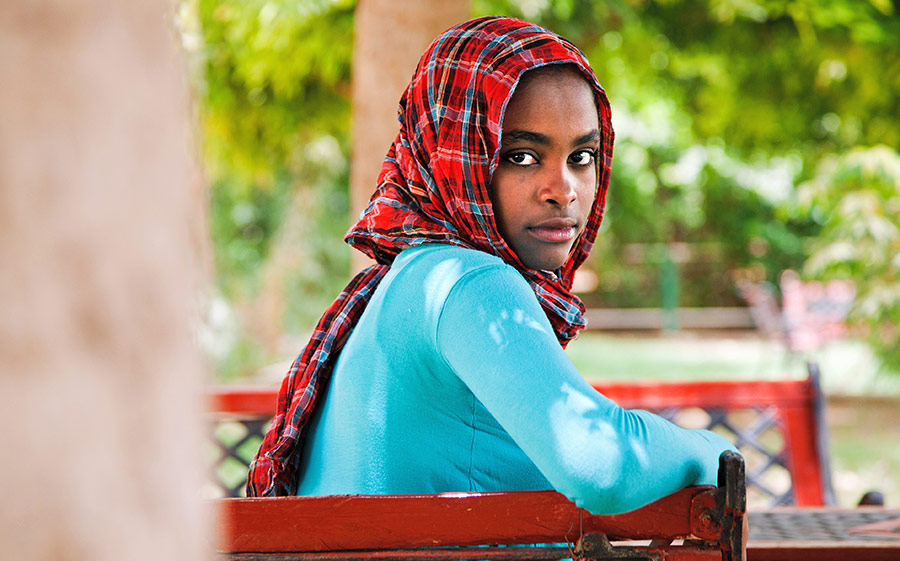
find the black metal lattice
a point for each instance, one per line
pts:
(757, 433)
(234, 441)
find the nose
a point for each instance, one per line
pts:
(558, 187)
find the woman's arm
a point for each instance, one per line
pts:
(493, 333)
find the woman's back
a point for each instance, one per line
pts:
(397, 418)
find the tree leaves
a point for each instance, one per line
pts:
(857, 199)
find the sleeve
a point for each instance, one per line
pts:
(494, 335)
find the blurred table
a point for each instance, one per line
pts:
(824, 534)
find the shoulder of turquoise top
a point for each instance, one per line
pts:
(430, 253)
(433, 271)
(491, 290)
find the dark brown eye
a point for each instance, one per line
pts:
(521, 159)
(583, 157)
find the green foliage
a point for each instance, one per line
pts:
(273, 78)
(276, 80)
(724, 211)
(276, 76)
(856, 198)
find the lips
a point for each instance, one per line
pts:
(554, 230)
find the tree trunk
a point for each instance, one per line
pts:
(101, 220)
(390, 38)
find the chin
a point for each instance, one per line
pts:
(548, 264)
(543, 257)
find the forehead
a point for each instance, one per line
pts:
(545, 94)
(550, 71)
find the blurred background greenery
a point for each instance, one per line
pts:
(753, 136)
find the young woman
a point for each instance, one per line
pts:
(442, 367)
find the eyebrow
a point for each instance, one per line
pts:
(538, 138)
(592, 136)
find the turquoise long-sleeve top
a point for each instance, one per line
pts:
(453, 380)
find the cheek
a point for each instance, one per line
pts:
(586, 194)
(503, 199)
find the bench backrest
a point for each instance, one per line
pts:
(777, 425)
(457, 526)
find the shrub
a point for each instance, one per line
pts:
(856, 198)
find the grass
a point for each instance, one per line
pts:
(864, 400)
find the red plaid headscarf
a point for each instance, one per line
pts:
(434, 188)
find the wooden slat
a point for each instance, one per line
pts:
(242, 400)
(643, 394)
(335, 523)
(802, 456)
(672, 553)
(726, 394)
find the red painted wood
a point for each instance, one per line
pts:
(669, 553)
(291, 524)
(688, 553)
(801, 455)
(725, 394)
(243, 400)
(647, 395)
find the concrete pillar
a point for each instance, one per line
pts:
(100, 227)
(390, 36)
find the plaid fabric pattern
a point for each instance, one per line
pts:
(434, 187)
(273, 471)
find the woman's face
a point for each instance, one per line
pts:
(544, 184)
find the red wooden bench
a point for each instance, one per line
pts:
(777, 425)
(698, 523)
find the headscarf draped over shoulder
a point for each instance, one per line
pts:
(434, 188)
